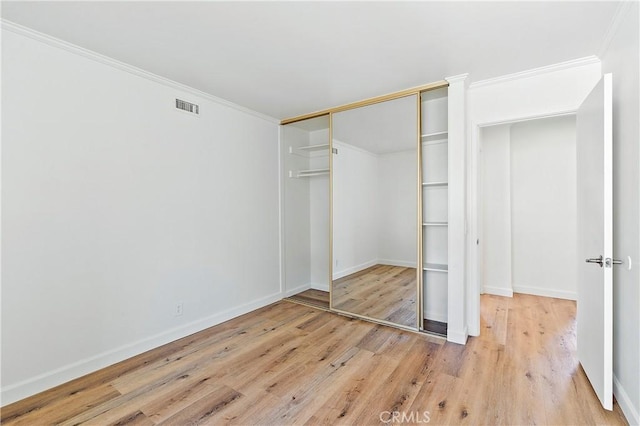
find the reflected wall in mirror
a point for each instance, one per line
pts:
(375, 212)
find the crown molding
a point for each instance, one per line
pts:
(589, 60)
(621, 12)
(114, 63)
(457, 78)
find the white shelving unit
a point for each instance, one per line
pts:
(435, 217)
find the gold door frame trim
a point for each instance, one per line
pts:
(370, 101)
(389, 324)
(419, 229)
(331, 211)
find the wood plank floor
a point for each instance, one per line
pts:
(292, 364)
(380, 292)
(312, 297)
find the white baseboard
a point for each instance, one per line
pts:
(546, 292)
(457, 336)
(402, 263)
(626, 405)
(296, 290)
(42, 382)
(353, 269)
(498, 291)
(319, 286)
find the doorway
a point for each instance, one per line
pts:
(527, 208)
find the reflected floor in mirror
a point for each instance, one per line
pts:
(380, 292)
(312, 297)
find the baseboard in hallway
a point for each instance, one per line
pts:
(545, 292)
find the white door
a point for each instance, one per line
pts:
(595, 239)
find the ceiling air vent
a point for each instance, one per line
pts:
(187, 106)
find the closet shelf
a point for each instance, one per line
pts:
(435, 267)
(314, 147)
(310, 150)
(308, 173)
(435, 136)
(435, 224)
(427, 184)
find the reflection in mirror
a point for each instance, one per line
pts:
(375, 211)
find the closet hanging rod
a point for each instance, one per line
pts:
(312, 174)
(370, 101)
(308, 173)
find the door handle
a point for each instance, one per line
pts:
(608, 262)
(597, 260)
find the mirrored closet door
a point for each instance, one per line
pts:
(375, 212)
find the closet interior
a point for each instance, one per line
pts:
(373, 212)
(305, 167)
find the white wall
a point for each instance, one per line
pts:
(534, 94)
(397, 215)
(355, 210)
(543, 207)
(116, 207)
(495, 238)
(622, 59)
(538, 93)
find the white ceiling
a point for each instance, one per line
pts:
(288, 58)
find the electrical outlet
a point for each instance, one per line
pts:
(178, 310)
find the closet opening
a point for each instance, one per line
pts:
(304, 148)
